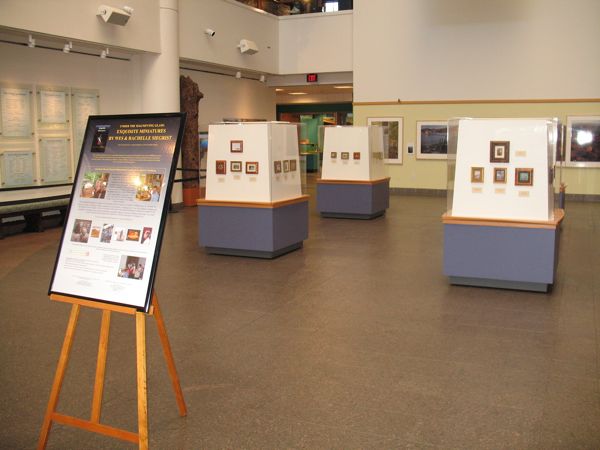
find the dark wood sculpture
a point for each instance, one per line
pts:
(190, 96)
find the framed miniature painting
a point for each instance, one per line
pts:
(277, 166)
(345, 155)
(333, 155)
(293, 165)
(236, 146)
(476, 174)
(499, 175)
(356, 155)
(252, 167)
(523, 177)
(286, 165)
(583, 141)
(392, 137)
(235, 166)
(432, 140)
(499, 151)
(221, 168)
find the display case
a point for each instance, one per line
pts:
(353, 182)
(501, 227)
(254, 204)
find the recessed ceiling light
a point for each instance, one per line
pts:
(278, 90)
(297, 93)
(342, 87)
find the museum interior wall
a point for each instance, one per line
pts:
(449, 59)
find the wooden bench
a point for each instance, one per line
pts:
(32, 211)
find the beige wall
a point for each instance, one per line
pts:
(76, 20)
(476, 49)
(232, 22)
(431, 174)
(225, 97)
(315, 43)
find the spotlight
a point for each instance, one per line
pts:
(68, 46)
(31, 42)
(104, 53)
(238, 74)
(262, 79)
(116, 16)
(210, 32)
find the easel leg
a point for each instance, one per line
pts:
(140, 334)
(59, 376)
(100, 367)
(164, 339)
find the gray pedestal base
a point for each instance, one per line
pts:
(501, 257)
(353, 200)
(259, 232)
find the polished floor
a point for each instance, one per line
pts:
(355, 341)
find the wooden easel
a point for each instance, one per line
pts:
(94, 425)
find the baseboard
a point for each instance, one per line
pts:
(415, 191)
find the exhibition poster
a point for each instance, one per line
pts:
(111, 241)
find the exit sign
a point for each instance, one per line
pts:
(312, 78)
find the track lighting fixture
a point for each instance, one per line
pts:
(262, 79)
(31, 42)
(68, 46)
(104, 53)
(238, 74)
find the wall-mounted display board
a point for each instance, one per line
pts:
(17, 168)
(49, 121)
(392, 137)
(583, 141)
(111, 241)
(55, 160)
(16, 111)
(84, 103)
(254, 204)
(501, 168)
(501, 228)
(432, 139)
(353, 182)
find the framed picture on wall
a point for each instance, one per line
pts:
(432, 140)
(523, 177)
(392, 137)
(499, 151)
(583, 141)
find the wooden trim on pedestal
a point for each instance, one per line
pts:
(559, 215)
(477, 102)
(266, 205)
(379, 181)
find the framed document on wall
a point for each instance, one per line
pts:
(15, 111)
(114, 227)
(55, 160)
(392, 137)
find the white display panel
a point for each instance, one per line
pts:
(519, 148)
(353, 153)
(16, 112)
(242, 161)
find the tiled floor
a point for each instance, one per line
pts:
(355, 341)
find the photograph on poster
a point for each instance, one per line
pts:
(131, 267)
(500, 151)
(133, 235)
(146, 236)
(345, 155)
(583, 141)
(107, 232)
(119, 234)
(523, 177)
(100, 138)
(432, 140)
(392, 137)
(221, 167)
(286, 165)
(252, 167)
(293, 165)
(148, 186)
(235, 166)
(476, 174)
(277, 166)
(356, 155)
(236, 146)
(95, 233)
(81, 231)
(94, 185)
(333, 155)
(499, 175)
